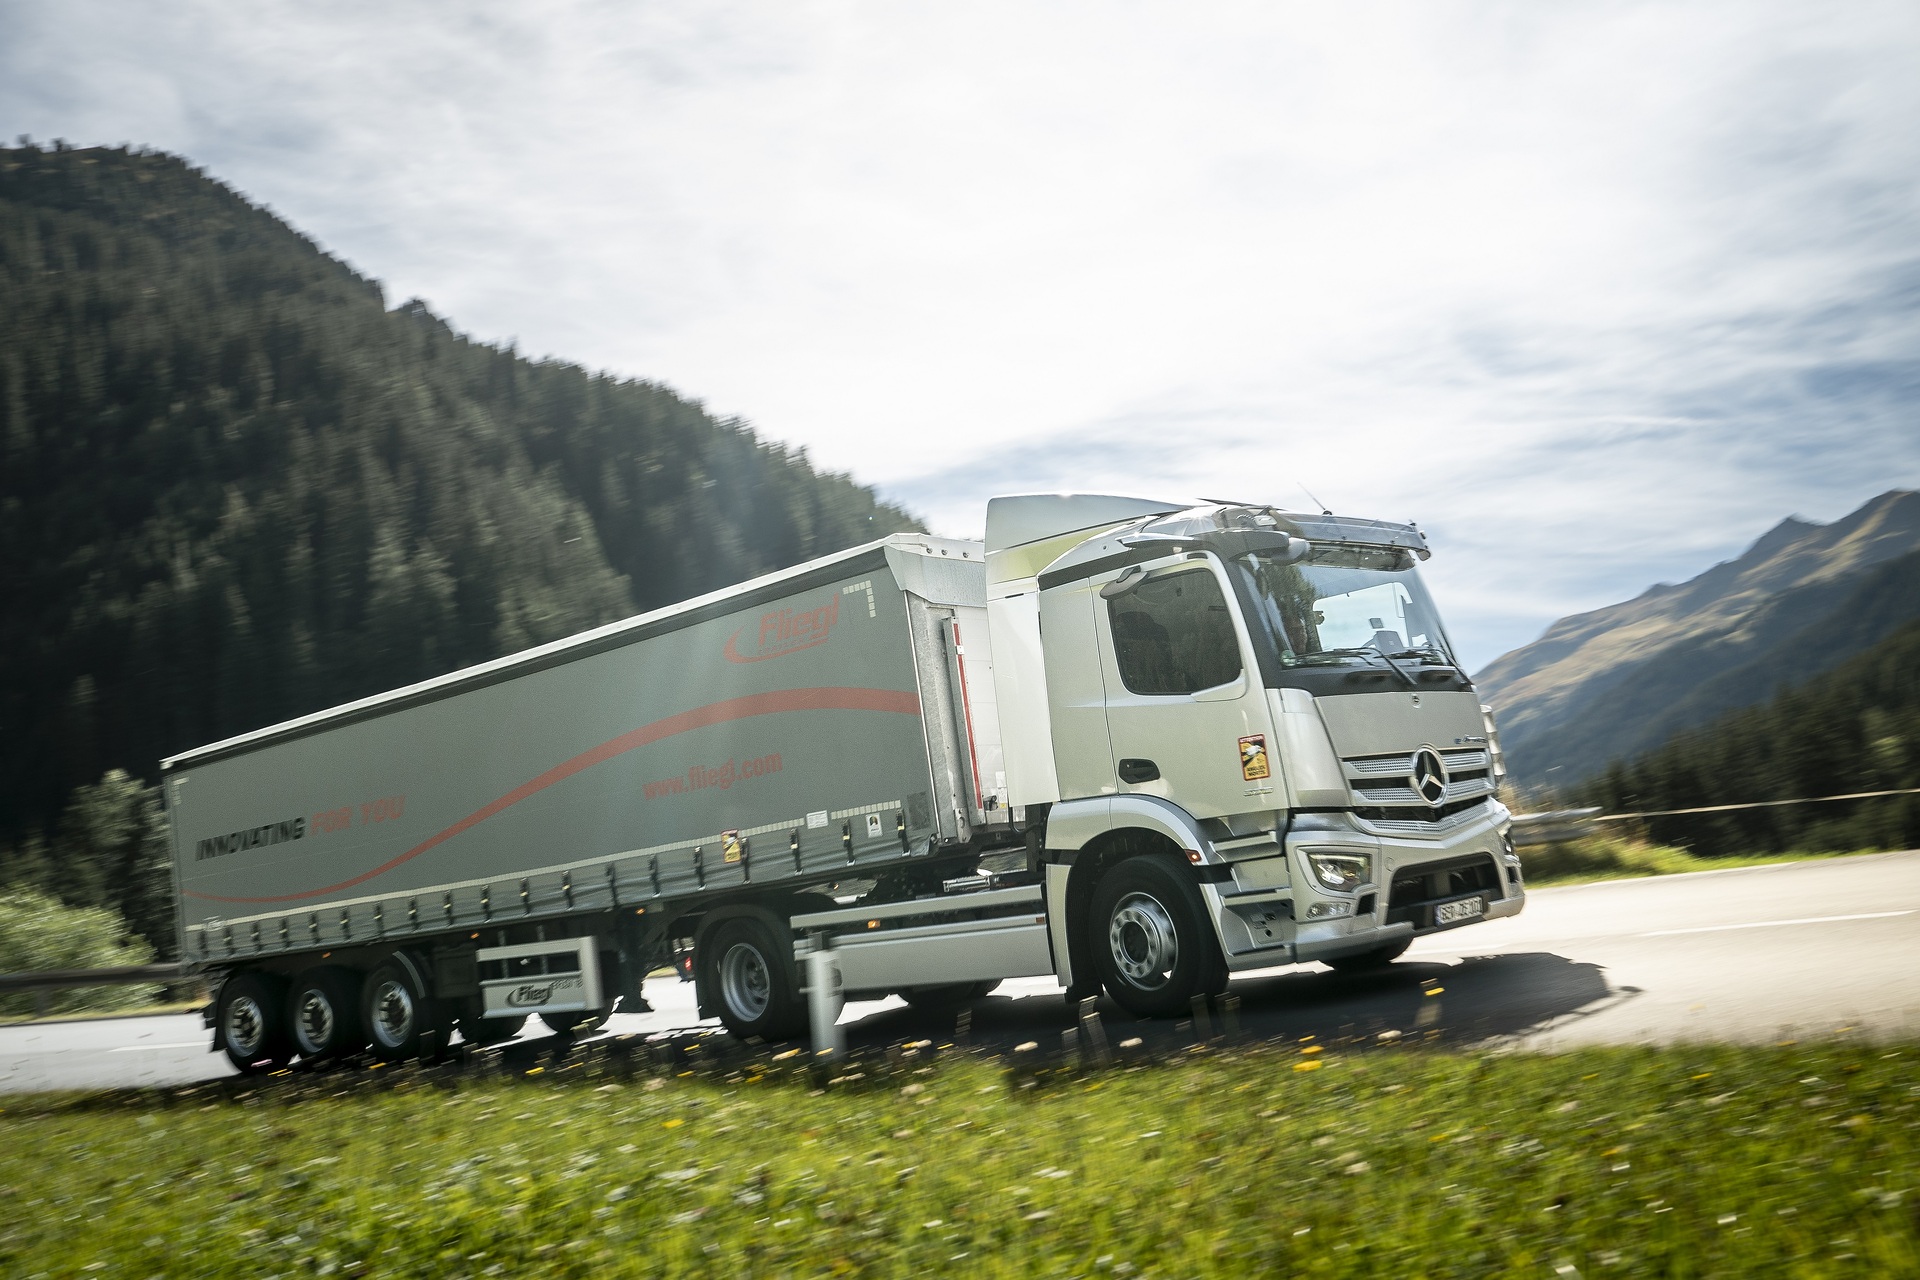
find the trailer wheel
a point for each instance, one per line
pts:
(755, 989)
(400, 1015)
(248, 1025)
(1152, 941)
(1378, 958)
(324, 1013)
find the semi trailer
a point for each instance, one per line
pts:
(1137, 746)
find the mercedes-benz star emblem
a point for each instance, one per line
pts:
(1429, 776)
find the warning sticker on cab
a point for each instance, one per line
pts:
(1253, 758)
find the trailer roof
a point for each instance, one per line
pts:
(613, 635)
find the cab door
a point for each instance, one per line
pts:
(1186, 713)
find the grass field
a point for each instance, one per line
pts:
(1398, 1160)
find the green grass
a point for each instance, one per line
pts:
(1614, 858)
(1401, 1161)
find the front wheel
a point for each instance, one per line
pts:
(1152, 941)
(751, 981)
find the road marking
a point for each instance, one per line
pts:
(1767, 924)
(135, 1048)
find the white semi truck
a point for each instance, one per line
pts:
(1133, 745)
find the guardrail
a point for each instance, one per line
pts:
(130, 975)
(1531, 830)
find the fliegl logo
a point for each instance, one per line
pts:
(783, 631)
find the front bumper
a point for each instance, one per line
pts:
(1273, 912)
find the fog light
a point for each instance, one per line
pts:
(1327, 910)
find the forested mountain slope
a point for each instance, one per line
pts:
(1854, 729)
(236, 488)
(1619, 681)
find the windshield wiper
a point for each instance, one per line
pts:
(1380, 653)
(1427, 651)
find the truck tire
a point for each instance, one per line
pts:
(401, 1019)
(950, 996)
(1152, 942)
(323, 1013)
(752, 981)
(1378, 958)
(248, 1023)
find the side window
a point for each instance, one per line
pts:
(1174, 634)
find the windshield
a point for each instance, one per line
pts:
(1342, 606)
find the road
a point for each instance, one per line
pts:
(1757, 954)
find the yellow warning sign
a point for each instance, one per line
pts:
(730, 845)
(1253, 758)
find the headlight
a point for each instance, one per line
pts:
(1341, 872)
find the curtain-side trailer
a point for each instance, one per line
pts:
(1124, 743)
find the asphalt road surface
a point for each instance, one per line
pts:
(1757, 954)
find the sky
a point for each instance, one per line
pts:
(1596, 292)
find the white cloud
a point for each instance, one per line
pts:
(1598, 291)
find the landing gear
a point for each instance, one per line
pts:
(1152, 942)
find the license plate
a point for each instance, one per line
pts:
(1456, 912)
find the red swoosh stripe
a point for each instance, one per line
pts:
(754, 704)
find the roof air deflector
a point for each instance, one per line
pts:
(1033, 517)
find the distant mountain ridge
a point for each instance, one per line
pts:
(1619, 681)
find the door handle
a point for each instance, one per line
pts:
(1134, 772)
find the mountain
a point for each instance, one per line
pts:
(1618, 681)
(236, 487)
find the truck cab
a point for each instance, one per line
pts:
(1245, 737)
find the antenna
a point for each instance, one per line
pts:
(1325, 510)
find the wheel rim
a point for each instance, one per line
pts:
(393, 1013)
(1144, 941)
(245, 1026)
(745, 982)
(314, 1021)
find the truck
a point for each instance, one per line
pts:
(1137, 746)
